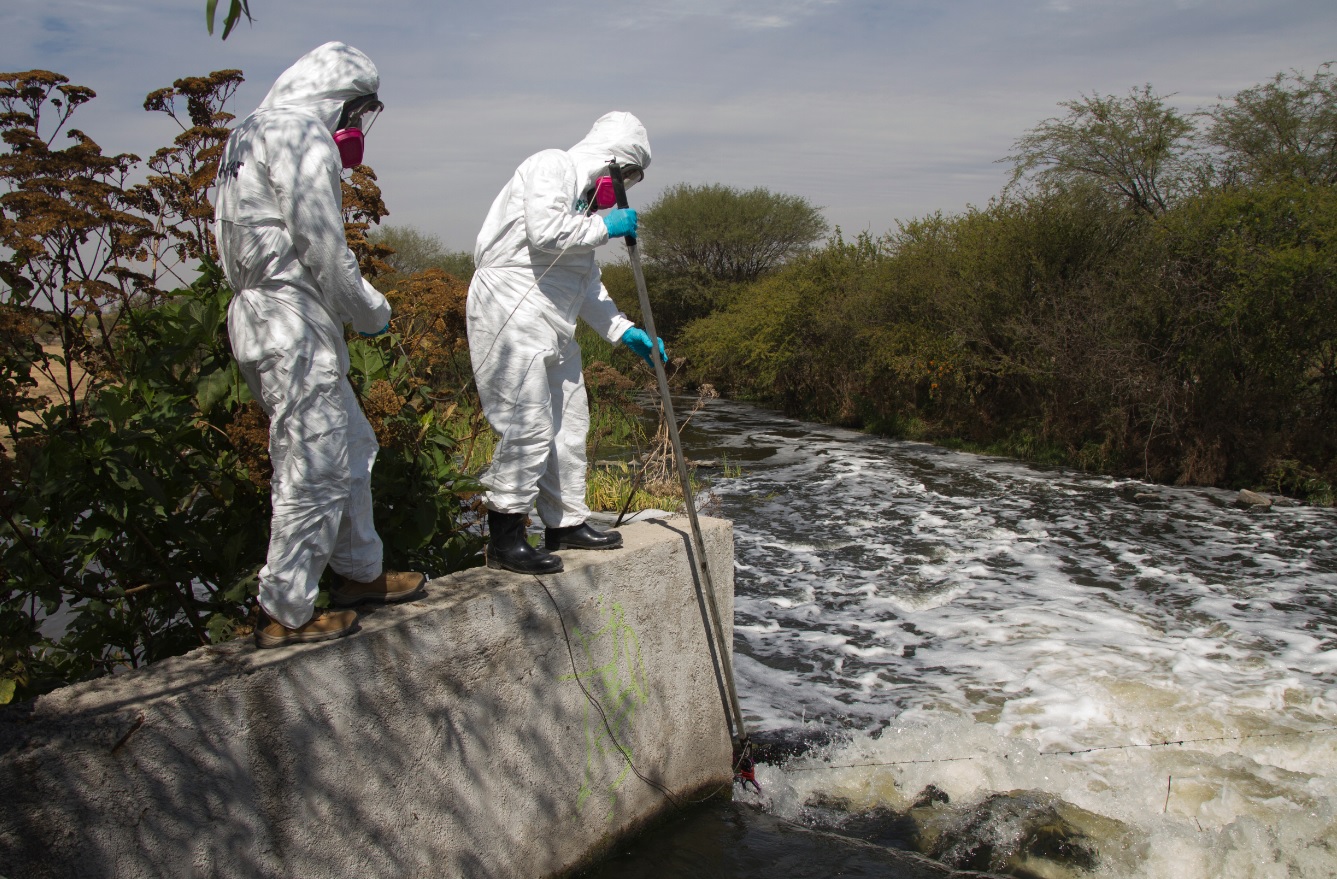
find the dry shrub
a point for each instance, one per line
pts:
(363, 206)
(429, 318)
(1204, 463)
(381, 403)
(249, 434)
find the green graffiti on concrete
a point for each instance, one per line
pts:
(615, 677)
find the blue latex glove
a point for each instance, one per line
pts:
(381, 332)
(639, 342)
(621, 222)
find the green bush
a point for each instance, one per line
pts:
(1198, 346)
(134, 532)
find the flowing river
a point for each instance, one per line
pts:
(1030, 671)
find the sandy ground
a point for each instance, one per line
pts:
(44, 385)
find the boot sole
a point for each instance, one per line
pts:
(267, 642)
(562, 545)
(389, 598)
(498, 566)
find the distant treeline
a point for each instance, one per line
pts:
(1152, 295)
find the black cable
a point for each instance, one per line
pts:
(623, 750)
(1305, 732)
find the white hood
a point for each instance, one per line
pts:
(616, 135)
(323, 80)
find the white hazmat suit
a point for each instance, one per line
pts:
(535, 275)
(280, 233)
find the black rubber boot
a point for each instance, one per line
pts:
(581, 536)
(508, 550)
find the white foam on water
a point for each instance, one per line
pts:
(1206, 809)
(983, 615)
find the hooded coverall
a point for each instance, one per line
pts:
(535, 275)
(280, 233)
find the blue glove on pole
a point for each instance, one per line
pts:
(381, 332)
(621, 222)
(639, 342)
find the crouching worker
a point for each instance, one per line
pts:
(535, 276)
(280, 236)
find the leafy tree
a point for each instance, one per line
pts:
(727, 234)
(703, 243)
(182, 172)
(412, 250)
(125, 507)
(77, 244)
(1251, 275)
(677, 298)
(1136, 148)
(1284, 129)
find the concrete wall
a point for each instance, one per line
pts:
(448, 737)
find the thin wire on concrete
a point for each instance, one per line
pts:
(673, 798)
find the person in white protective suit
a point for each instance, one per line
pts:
(280, 233)
(536, 275)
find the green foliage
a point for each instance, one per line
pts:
(1290, 477)
(676, 298)
(116, 402)
(701, 243)
(1135, 148)
(415, 251)
(1199, 348)
(137, 526)
(786, 336)
(417, 484)
(727, 234)
(235, 11)
(1281, 130)
(1253, 274)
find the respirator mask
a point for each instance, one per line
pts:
(355, 121)
(602, 195)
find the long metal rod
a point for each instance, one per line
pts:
(722, 646)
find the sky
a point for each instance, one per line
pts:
(875, 112)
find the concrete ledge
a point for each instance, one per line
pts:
(449, 737)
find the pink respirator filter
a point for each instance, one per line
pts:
(604, 194)
(351, 146)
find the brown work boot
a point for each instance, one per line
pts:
(325, 625)
(390, 587)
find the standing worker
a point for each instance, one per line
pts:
(280, 235)
(535, 275)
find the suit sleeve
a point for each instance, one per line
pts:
(551, 221)
(602, 314)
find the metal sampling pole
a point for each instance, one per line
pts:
(721, 644)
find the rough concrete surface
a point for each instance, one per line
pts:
(448, 737)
